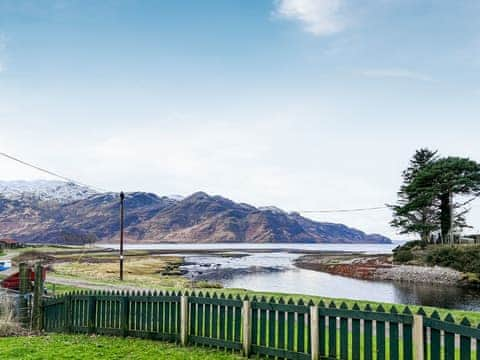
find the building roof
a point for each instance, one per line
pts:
(7, 241)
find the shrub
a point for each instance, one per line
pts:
(411, 245)
(403, 256)
(461, 258)
(207, 285)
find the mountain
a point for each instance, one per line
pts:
(66, 213)
(44, 190)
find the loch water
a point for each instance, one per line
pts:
(270, 267)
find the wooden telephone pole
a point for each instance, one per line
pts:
(122, 216)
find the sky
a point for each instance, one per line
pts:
(301, 104)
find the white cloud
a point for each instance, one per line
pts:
(397, 73)
(319, 17)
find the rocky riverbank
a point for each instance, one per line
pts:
(380, 267)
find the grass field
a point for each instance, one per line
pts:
(161, 273)
(158, 271)
(101, 347)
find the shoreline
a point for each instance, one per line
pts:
(381, 268)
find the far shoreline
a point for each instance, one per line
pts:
(380, 267)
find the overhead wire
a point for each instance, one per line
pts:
(343, 210)
(51, 173)
(71, 180)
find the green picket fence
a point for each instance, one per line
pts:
(215, 321)
(148, 315)
(273, 328)
(448, 340)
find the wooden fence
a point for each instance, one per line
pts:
(266, 328)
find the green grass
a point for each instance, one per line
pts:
(59, 289)
(101, 347)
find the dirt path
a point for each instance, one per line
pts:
(85, 284)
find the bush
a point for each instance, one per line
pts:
(207, 285)
(411, 245)
(405, 253)
(461, 258)
(403, 256)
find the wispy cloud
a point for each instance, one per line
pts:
(396, 73)
(318, 17)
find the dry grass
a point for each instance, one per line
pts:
(139, 270)
(8, 324)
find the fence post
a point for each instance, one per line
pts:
(125, 314)
(37, 297)
(24, 289)
(67, 310)
(314, 335)
(184, 320)
(417, 332)
(92, 311)
(247, 327)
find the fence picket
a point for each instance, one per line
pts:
(272, 321)
(230, 320)
(254, 323)
(465, 343)
(367, 338)
(238, 320)
(281, 326)
(332, 333)
(393, 336)
(343, 334)
(407, 337)
(321, 331)
(356, 335)
(215, 323)
(380, 332)
(435, 339)
(301, 329)
(290, 327)
(207, 316)
(263, 324)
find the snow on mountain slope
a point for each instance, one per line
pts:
(60, 191)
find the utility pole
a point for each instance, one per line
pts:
(122, 213)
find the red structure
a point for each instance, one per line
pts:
(8, 243)
(13, 281)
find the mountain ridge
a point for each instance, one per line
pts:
(199, 217)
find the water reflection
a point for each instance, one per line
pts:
(322, 284)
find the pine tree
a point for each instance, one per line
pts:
(439, 182)
(416, 214)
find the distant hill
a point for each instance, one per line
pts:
(65, 213)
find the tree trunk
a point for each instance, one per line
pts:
(445, 215)
(425, 233)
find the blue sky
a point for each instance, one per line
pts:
(302, 104)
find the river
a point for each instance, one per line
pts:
(269, 267)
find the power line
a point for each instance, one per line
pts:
(343, 210)
(52, 173)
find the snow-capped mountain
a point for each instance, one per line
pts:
(60, 212)
(44, 190)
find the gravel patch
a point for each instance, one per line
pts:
(422, 274)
